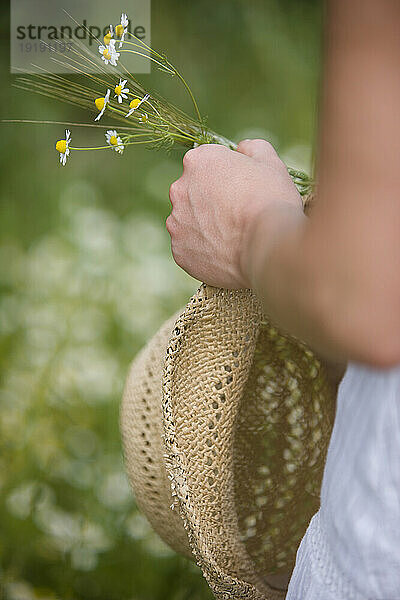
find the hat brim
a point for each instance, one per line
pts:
(216, 394)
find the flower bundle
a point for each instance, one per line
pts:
(116, 93)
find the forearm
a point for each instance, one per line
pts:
(341, 302)
(332, 280)
(335, 280)
(289, 280)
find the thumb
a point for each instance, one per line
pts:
(260, 150)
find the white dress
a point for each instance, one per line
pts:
(351, 549)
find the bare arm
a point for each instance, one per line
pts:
(332, 280)
(335, 281)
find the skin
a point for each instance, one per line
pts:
(333, 279)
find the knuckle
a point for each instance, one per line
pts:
(215, 148)
(170, 224)
(257, 144)
(202, 153)
(242, 145)
(189, 157)
(174, 191)
(266, 146)
(219, 149)
(263, 142)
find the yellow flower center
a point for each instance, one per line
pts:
(134, 103)
(143, 118)
(107, 38)
(118, 89)
(61, 146)
(113, 140)
(99, 102)
(119, 30)
(106, 54)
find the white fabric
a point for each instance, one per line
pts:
(351, 550)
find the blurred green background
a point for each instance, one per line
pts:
(86, 277)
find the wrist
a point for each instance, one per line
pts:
(267, 229)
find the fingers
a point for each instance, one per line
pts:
(260, 150)
(178, 199)
(176, 191)
(170, 224)
(257, 149)
(189, 158)
(196, 163)
(202, 154)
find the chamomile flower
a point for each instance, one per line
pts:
(109, 53)
(121, 91)
(114, 141)
(62, 146)
(105, 53)
(101, 104)
(135, 103)
(144, 118)
(121, 30)
(108, 36)
(114, 54)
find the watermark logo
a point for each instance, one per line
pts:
(50, 34)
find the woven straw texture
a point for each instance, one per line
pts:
(229, 420)
(142, 432)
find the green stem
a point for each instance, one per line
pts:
(143, 44)
(112, 147)
(196, 108)
(145, 56)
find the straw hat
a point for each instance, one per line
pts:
(225, 423)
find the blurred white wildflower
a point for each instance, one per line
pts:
(90, 371)
(20, 590)
(82, 442)
(87, 324)
(83, 559)
(50, 264)
(19, 501)
(156, 547)
(28, 496)
(96, 274)
(68, 531)
(78, 473)
(137, 526)
(114, 490)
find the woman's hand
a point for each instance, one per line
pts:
(217, 204)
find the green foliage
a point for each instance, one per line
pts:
(86, 277)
